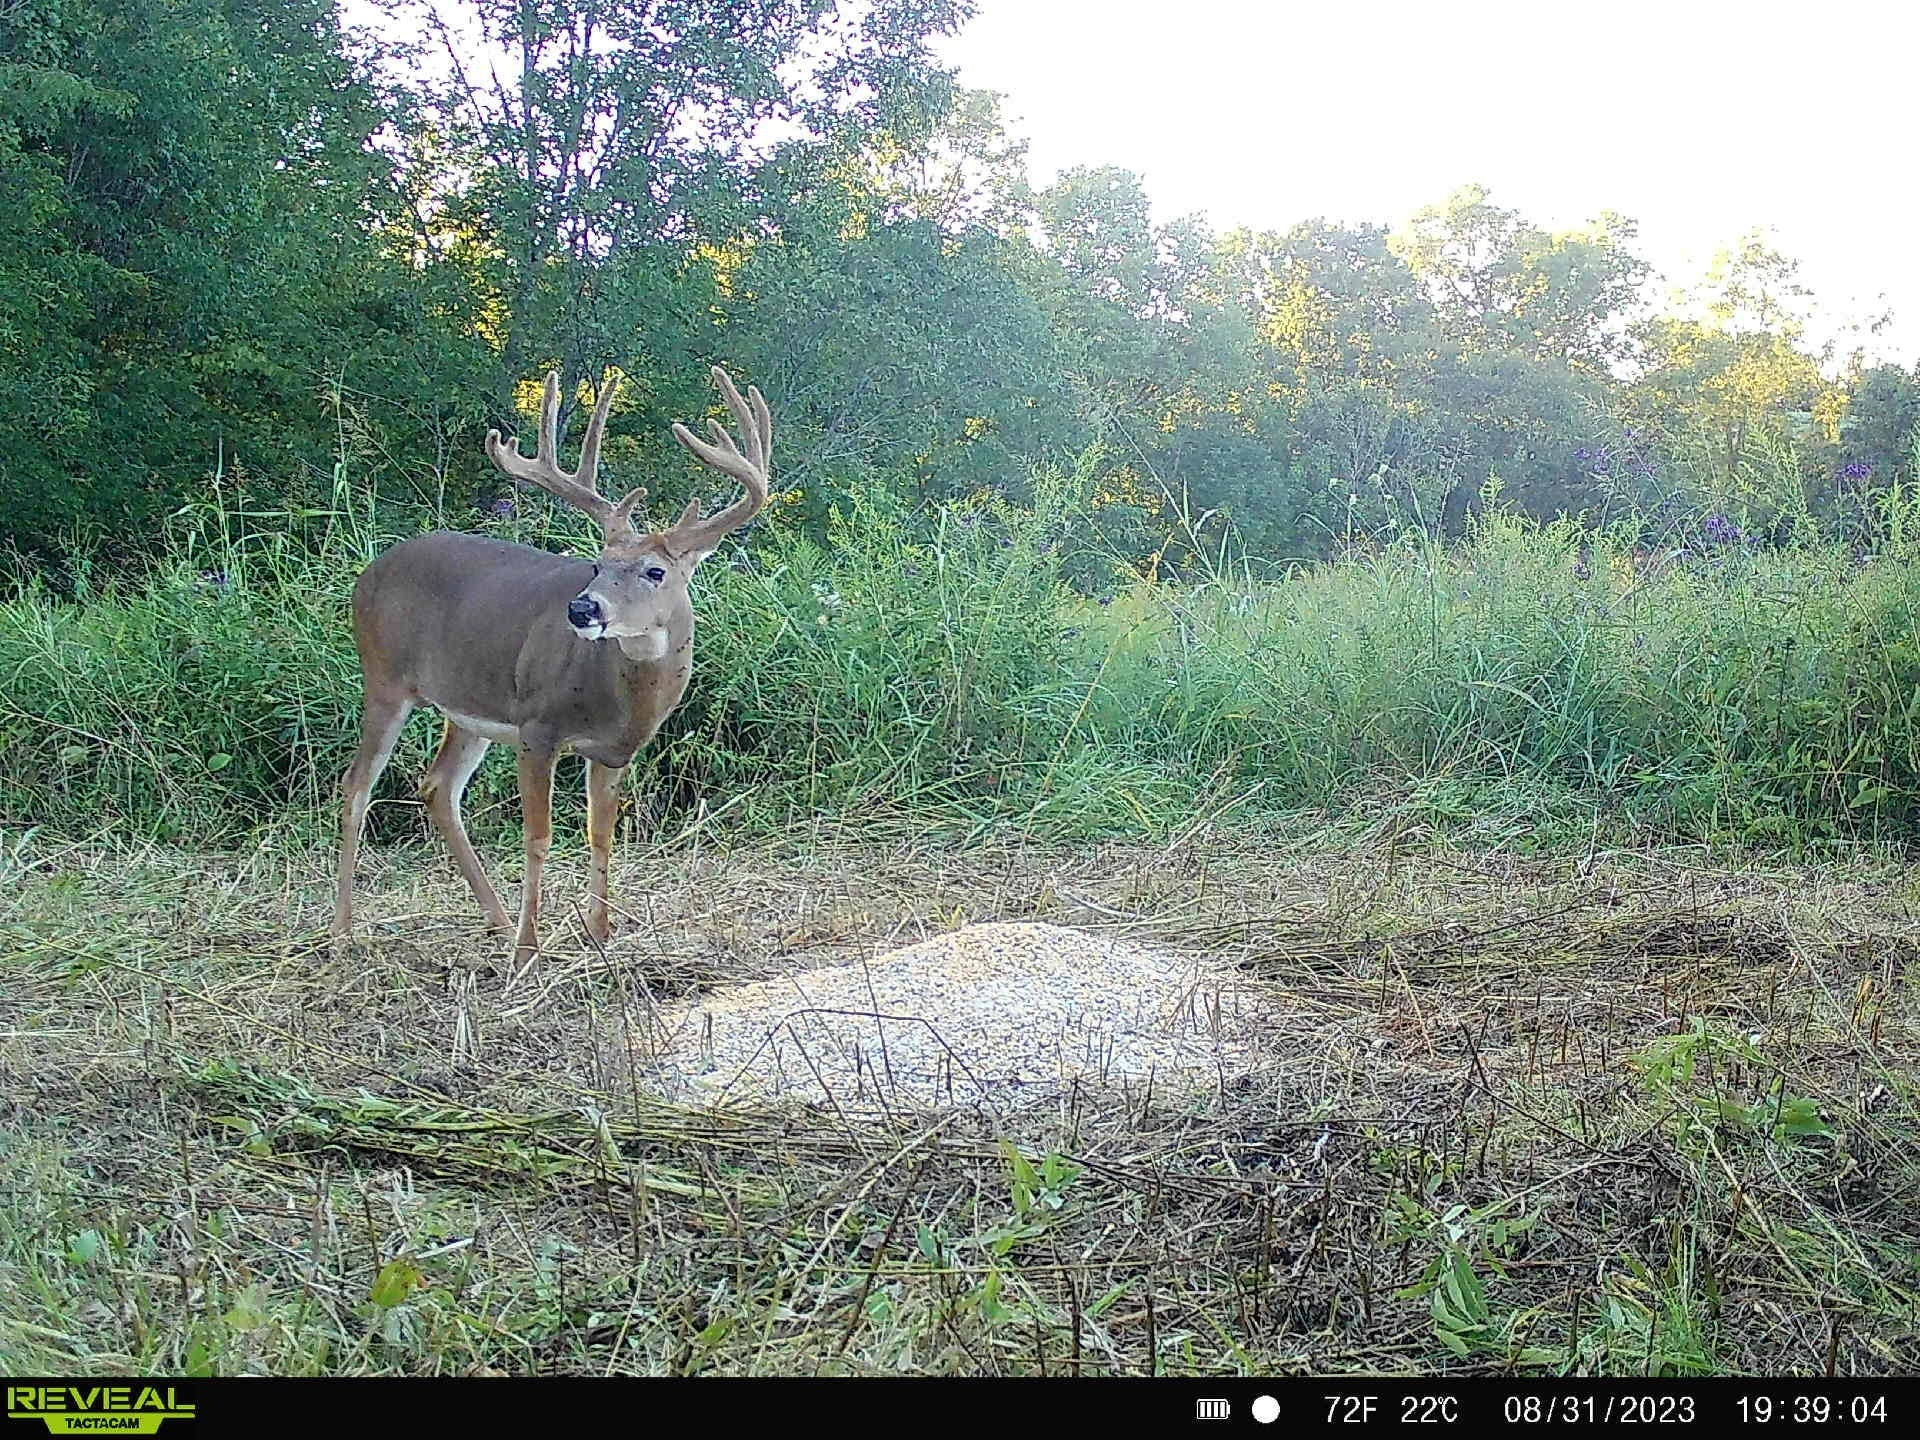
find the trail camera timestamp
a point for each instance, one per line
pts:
(1812, 1409)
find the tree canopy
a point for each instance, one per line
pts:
(250, 240)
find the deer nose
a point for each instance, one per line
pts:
(582, 611)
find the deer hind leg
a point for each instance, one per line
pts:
(381, 722)
(603, 808)
(460, 754)
(536, 806)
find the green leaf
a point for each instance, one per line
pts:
(217, 763)
(1105, 1302)
(397, 1280)
(1463, 1286)
(249, 1309)
(1801, 1116)
(199, 1364)
(990, 1307)
(85, 1246)
(1026, 1180)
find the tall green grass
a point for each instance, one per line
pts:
(1734, 693)
(940, 672)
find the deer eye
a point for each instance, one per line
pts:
(656, 574)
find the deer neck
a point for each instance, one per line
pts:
(649, 679)
(664, 646)
(647, 649)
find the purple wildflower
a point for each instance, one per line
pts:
(217, 579)
(503, 507)
(1856, 470)
(1722, 531)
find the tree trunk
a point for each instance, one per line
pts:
(515, 351)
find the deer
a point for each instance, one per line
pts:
(548, 653)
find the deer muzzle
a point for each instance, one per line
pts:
(583, 613)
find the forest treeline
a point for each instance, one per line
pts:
(248, 238)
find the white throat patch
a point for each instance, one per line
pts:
(647, 645)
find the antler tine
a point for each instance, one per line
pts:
(548, 452)
(596, 427)
(722, 454)
(543, 469)
(749, 465)
(623, 512)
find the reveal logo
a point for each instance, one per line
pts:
(98, 1409)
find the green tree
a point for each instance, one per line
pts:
(1882, 424)
(902, 355)
(595, 149)
(958, 168)
(1396, 401)
(1730, 386)
(1157, 353)
(1503, 284)
(187, 184)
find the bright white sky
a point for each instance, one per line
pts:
(1701, 119)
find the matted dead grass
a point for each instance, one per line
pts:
(1615, 1114)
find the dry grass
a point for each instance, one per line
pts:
(1620, 1114)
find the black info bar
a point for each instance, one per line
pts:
(177, 1409)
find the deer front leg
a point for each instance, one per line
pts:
(603, 808)
(441, 787)
(536, 806)
(384, 717)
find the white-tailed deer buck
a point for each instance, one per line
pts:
(545, 652)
